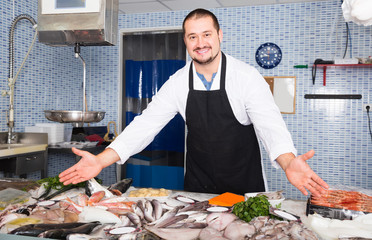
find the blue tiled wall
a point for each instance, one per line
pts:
(336, 129)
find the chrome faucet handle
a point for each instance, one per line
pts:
(14, 136)
(4, 93)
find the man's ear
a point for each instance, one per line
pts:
(220, 35)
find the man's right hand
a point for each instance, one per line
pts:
(88, 167)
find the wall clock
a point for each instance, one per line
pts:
(268, 55)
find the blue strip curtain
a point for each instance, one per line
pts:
(143, 80)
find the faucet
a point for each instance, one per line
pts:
(12, 78)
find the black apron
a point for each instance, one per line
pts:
(222, 154)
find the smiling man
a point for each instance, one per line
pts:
(227, 106)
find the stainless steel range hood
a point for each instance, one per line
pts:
(86, 22)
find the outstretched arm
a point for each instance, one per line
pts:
(88, 167)
(300, 174)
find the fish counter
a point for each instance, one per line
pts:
(124, 212)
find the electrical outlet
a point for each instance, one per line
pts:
(365, 107)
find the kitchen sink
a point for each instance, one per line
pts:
(12, 145)
(23, 143)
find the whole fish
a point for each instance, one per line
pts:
(34, 230)
(96, 234)
(166, 216)
(149, 211)
(93, 186)
(125, 221)
(96, 197)
(182, 224)
(158, 209)
(134, 218)
(62, 190)
(141, 205)
(198, 206)
(64, 232)
(171, 221)
(92, 214)
(82, 199)
(121, 186)
(137, 210)
(43, 191)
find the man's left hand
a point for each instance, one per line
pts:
(302, 176)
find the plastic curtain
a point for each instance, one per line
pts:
(143, 80)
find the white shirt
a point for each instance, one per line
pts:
(250, 98)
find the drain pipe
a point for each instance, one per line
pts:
(11, 79)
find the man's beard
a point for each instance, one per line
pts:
(207, 61)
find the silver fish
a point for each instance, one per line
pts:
(149, 211)
(158, 209)
(170, 221)
(134, 218)
(182, 224)
(199, 206)
(125, 221)
(137, 210)
(141, 205)
(166, 215)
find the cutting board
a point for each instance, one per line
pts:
(226, 199)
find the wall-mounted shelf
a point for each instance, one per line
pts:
(325, 66)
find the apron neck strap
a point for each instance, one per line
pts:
(222, 77)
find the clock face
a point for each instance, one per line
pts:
(268, 55)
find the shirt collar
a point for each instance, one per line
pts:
(216, 82)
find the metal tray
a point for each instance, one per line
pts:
(74, 116)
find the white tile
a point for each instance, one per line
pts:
(135, 1)
(236, 3)
(142, 7)
(191, 4)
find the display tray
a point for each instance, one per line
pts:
(18, 183)
(333, 213)
(147, 196)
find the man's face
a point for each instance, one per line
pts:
(202, 40)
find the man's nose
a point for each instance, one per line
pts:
(200, 42)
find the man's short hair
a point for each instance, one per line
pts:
(199, 13)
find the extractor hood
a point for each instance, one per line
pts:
(86, 22)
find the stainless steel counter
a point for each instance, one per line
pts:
(24, 143)
(28, 153)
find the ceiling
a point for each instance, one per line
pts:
(144, 6)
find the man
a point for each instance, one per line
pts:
(224, 102)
